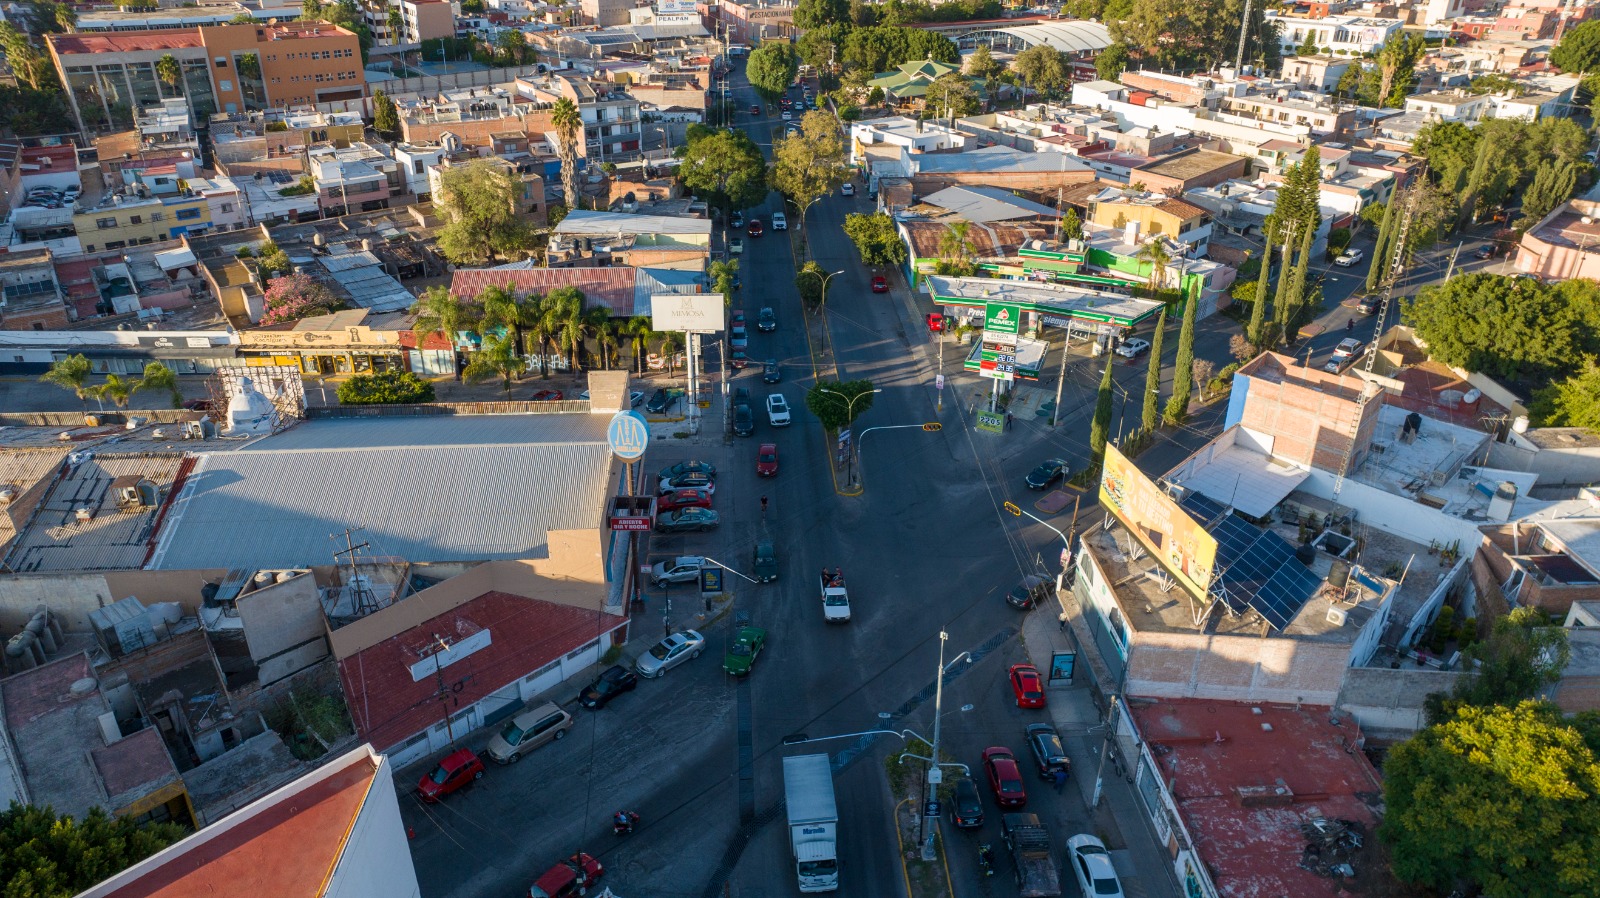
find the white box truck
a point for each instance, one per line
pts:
(813, 821)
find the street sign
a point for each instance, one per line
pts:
(933, 809)
(844, 435)
(938, 381)
(1066, 557)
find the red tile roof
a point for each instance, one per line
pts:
(62, 158)
(135, 763)
(609, 287)
(388, 706)
(126, 41)
(1214, 749)
(288, 847)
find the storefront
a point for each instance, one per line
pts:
(1083, 313)
(117, 352)
(329, 350)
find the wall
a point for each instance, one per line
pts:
(1555, 467)
(376, 861)
(1388, 703)
(73, 595)
(1235, 668)
(284, 627)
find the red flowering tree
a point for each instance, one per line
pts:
(296, 296)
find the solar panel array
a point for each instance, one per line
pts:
(1257, 568)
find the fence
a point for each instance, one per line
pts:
(432, 409)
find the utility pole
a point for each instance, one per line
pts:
(1061, 381)
(1244, 32)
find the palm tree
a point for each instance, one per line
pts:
(1155, 252)
(72, 373)
(396, 26)
(543, 327)
(159, 377)
(608, 336)
(671, 342)
(440, 311)
(168, 70)
(116, 389)
(497, 358)
(637, 331)
(568, 122)
(954, 245)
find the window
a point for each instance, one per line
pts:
(88, 248)
(158, 216)
(227, 207)
(116, 244)
(105, 223)
(38, 326)
(222, 62)
(188, 214)
(416, 167)
(134, 219)
(225, 85)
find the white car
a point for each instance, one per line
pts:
(847, 189)
(669, 653)
(1133, 348)
(736, 245)
(1349, 258)
(1091, 864)
(1347, 347)
(778, 410)
(779, 223)
(683, 569)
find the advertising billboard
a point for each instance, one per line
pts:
(1000, 320)
(697, 312)
(675, 7)
(1174, 539)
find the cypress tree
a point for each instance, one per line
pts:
(1100, 427)
(1183, 366)
(1382, 251)
(1258, 312)
(1152, 377)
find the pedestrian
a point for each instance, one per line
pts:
(1062, 617)
(763, 504)
(1061, 779)
(1008, 420)
(1350, 325)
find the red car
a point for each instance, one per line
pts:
(1026, 686)
(880, 284)
(573, 876)
(755, 228)
(454, 771)
(935, 323)
(755, 108)
(736, 318)
(767, 459)
(547, 396)
(1005, 778)
(676, 499)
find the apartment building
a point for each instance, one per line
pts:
(1315, 73)
(1152, 215)
(1343, 35)
(426, 20)
(138, 217)
(225, 68)
(246, 143)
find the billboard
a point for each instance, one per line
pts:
(1000, 319)
(1181, 545)
(675, 8)
(700, 313)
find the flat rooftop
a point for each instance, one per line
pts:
(1192, 165)
(87, 522)
(1247, 777)
(1571, 228)
(1060, 298)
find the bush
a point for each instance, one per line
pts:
(1223, 382)
(385, 388)
(849, 113)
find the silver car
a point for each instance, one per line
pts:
(669, 653)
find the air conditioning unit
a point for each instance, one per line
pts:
(1337, 616)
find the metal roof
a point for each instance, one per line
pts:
(605, 224)
(986, 204)
(452, 488)
(1068, 37)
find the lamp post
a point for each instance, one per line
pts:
(850, 416)
(825, 279)
(935, 775)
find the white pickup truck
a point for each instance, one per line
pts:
(835, 601)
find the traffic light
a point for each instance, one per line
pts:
(932, 426)
(1014, 509)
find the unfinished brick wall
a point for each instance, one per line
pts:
(1309, 413)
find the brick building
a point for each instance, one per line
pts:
(1315, 415)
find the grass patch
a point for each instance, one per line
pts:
(611, 655)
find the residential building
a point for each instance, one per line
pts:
(276, 140)
(605, 13)
(1145, 215)
(1564, 245)
(416, 161)
(1437, 12)
(138, 217)
(610, 116)
(1450, 106)
(1310, 111)
(586, 238)
(55, 167)
(31, 299)
(1319, 74)
(1342, 35)
(916, 135)
(426, 20)
(359, 177)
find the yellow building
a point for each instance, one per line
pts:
(1155, 214)
(127, 219)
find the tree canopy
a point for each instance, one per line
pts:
(1522, 656)
(1179, 34)
(478, 202)
(385, 118)
(772, 68)
(1571, 402)
(385, 388)
(881, 48)
(875, 238)
(1112, 61)
(809, 164)
(1579, 49)
(295, 296)
(1509, 327)
(1507, 798)
(838, 404)
(46, 856)
(951, 95)
(726, 168)
(1488, 164)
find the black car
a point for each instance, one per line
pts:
(1368, 305)
(1030, 592)
(744, 421)
(1485, 252)
(766, 321)
(1048, 754)
(611, 684)
(1046, 475)
(659, 402)
(966, 808)
(770, 372)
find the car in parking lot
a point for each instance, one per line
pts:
(1349, 257)
(686, 519)
(1026, 686)
(880, 284)
(1091, 865)
(1030, 591)
(691, 466)
(527, 731)
(1005, 778)
(966, 807)
(547, 396)
(1133, 347)
(767, 460)
(570, 878)
(659, 402)
(453, 772)
(743, 652)
(847, 189)
(778, 410)
(1048, 755)
(683, 569)
(611, 683)
(737, 221)
(770, 372)
(672, 500)
(688, 480)
(669, 653)
(1046, 475)
(779, 222)
(766, 320)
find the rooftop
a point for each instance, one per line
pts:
(1045, 297)
(986, 204)
(1569, 227)
(1246, 779)
(1193, 164)
(580, 222)
(99, 513)
(609, 287)
(126, 41)
(998, 160)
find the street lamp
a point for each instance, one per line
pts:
(850, 413)
(825, 279)
(935, 775)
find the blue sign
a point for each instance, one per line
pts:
(628, 435)
(932, 809)
(711, 580)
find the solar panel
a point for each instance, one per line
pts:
(1201, 507)
(1256, 568)
(1286, 593)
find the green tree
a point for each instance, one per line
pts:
(158, 377)
(1100, 425)
(511, 45)
(638, 333)
(876, 238)
(438, 311)
(1505, 798)
(25, 60)
(1387, 83)
(1349, 85)
(724, 278)
(497, 358)
(243, 18)
(1178, 404)
(311, 10)
(1508, 327)
(1579, 49)
(1382, 250)
(169, 71)
(46, 856)
(771, 69)
(813, 14)
(838, 404)
(385, 388)
(1156, 253)
(1149, 416)
(955, 244)
(1308, 47)
(811, 164)
(478, 203)
(1553, 182)
(397, 25)
(72, 373)
(982, 64)
(1042, 68)
(811, 282)
(727, 169)
(116, 388)
(1571, 402)
(385, 118)
(1258, 308)
(951, 96)
(568, 124)
(1112, 62)
(1522, 656)
(1071, 225)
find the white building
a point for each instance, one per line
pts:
(225, 201)
(1451, 106)
(1344, 35)
(414, 161)
(916, 136)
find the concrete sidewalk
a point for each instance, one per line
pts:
(1141, 860)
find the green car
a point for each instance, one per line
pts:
(766, 561)
(742, 654)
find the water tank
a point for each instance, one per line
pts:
(149, 493)
(1520, 425)
(1130, 233)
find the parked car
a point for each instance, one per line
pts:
(1026, 686)
(744, 421)
(1005, 778)
(547, 396)
(936, 323)
(453, 772)
(688, 467)
(669, 653)
(1349, 257)
(778, 410)
(746, 648)
(1484, 252)
(686, 519)
(880, 284)
(614, 681)
(1368, 305)
(673, 500)
(770, 372)
(1030, 591)
(766, 320)
(737, 221)
(1046, 475)
(739, 337)
(683, 569)
(755, 229)
(966, 808)
(735, 245)
(847, 189)
(528, 731)
(1133, 348)
(767, 460)
(736, 318)
(766, 561)
(1091, 864)
(780, 222)
(568, 879)
(739, 359)
(659, 402)
(689, 480)
(1048, 755)
(786, 113)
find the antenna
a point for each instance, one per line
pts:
(1244, 31)
(362, 599)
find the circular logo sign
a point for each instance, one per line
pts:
(628, 435)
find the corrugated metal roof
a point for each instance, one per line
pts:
(985, 204)
(611, 288)
(1068, 37)
(601, 224)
